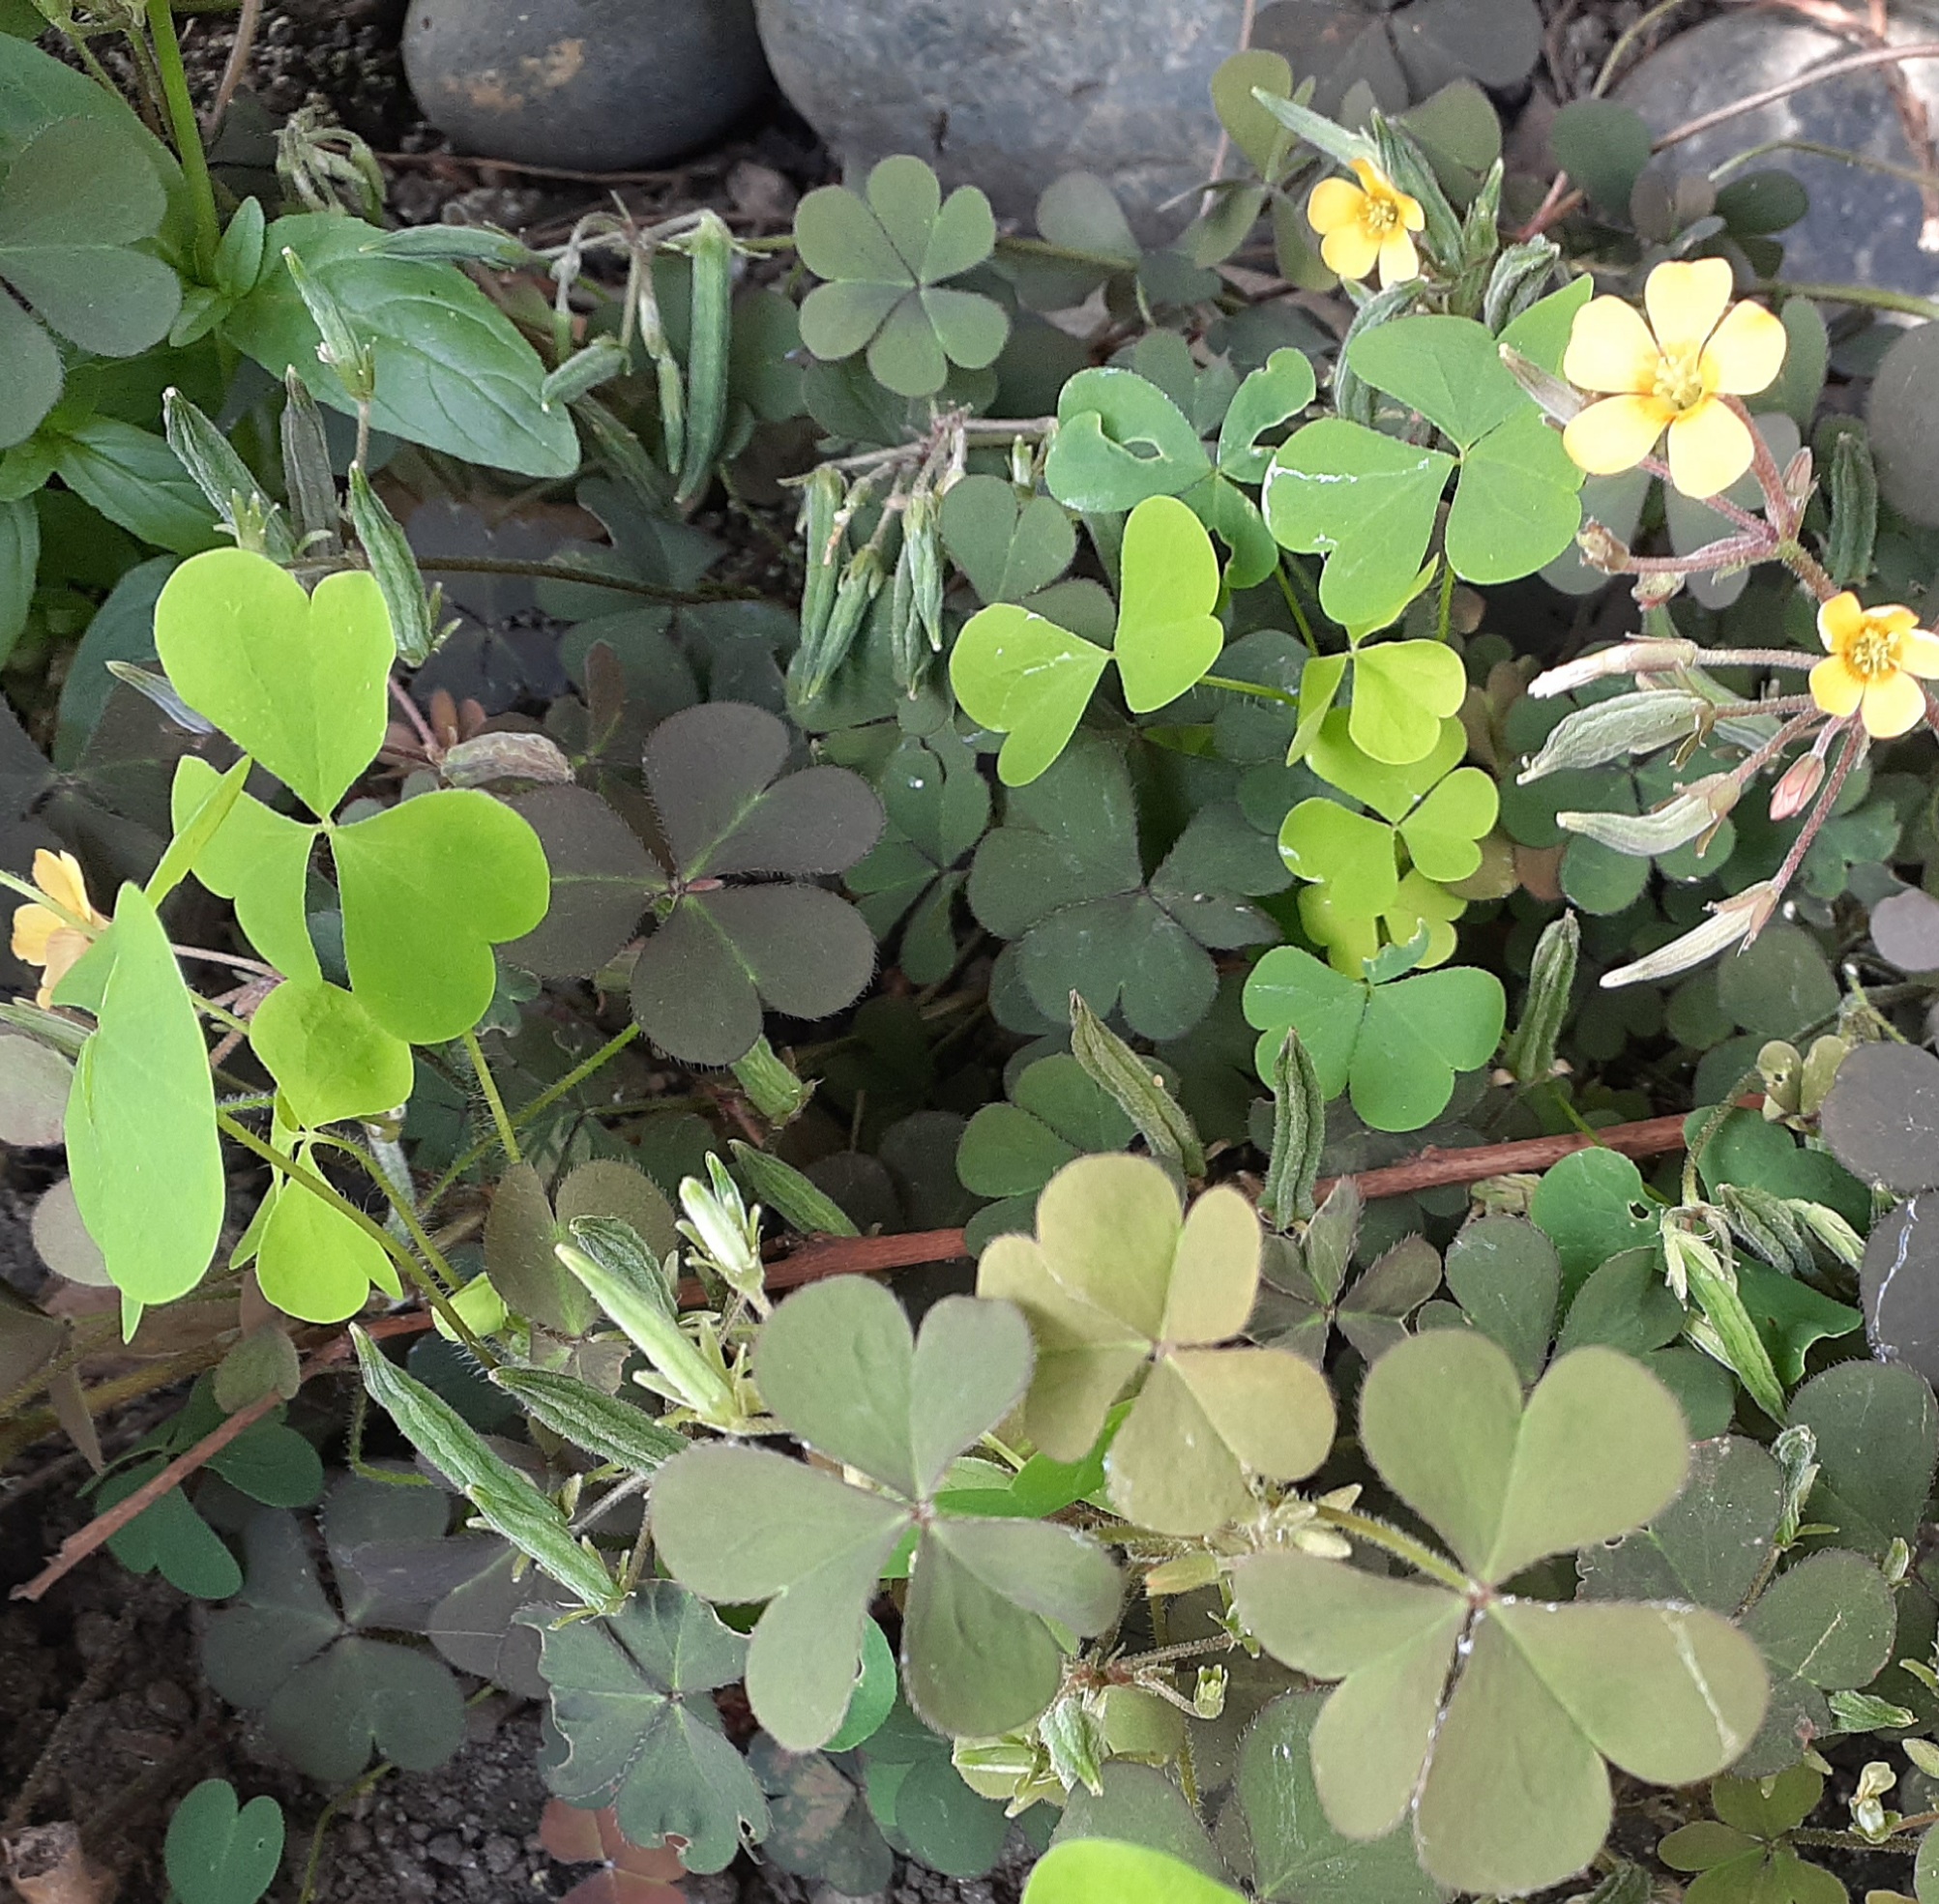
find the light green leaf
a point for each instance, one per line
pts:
(1365, 501)
(295, 680)
(1517, 505)
(142, 1150)
(313, 1263)
(429, 886)
(330, 1059)
(1167, 635)
(1402, 691)
(260, 859)
(1446, 367)
(1105, 1871)
(1351, 854)
(1277, 391)
(1025, 678)
(1120, 440)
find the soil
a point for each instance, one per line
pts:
(103, 1717)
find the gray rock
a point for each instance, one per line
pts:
(1008, 94)
(1863, 226)
(594, 85)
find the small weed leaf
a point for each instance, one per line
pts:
(1115, 1280)
(1103, 1871)
(220, 1852)
(629, 1699)
(1598, 1447)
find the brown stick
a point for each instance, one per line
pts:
(79, 1544)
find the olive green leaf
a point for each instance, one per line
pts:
(296, 680)
(1019, 674)
(330, 1059)
(1306, 1297)
(1395, 1046)
(522, 1230)
(886, 256)
(218, 1852)
(143, 1155)
(1485, 1715)
(838, 1365)
(1114, 1280)
(630, 1702)
(1008, 549)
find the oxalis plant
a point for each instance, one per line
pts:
(532, 981)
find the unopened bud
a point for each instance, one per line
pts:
(1797, 786)
(1653, 590)
(1625, 658)
(1799, 479)
(1560, 403)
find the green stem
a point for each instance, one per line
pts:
(1859, 293)
(1255, 690)
(187, 132)
(1445, 615)
(1884, 166)
(545, 1100)
(414, 1271)
(1423, 1560)
(567, 572)
(487, 1084)
(1298, 608)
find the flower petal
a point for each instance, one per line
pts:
(59, 877)
(1610, 349)
(1746, 351)
(1710, 447)
(1412, 216)
(1919, 653)
(1369, 175)
(1335, 203)
(1836, 688)
(65, 947)
(1350, 250)
(1399, 259)
(33, 928)
(1840, 620)
(1685, 301)
(1893, 704)
(1892, 618)
(1615, 434)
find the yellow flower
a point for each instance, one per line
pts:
(1364, 224)
(1874, 654)
(42, 936)
(1672, 373)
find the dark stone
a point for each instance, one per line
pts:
(591, 85)
(1009, 93)
(1864, 227)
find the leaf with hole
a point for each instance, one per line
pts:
(1120, 440)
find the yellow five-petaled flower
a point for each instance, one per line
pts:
(1367, 224)
(1874, 654)
(1672, 373)
(42, 936)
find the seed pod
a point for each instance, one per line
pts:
(1138, 1092)
(1530, 1053)
(1696, 810)
(821, 505)
(1725, 1333)
(620, 451)
(922, 537)
(667, 370)
(1638, 657)
(1481, 228)
(908, 652)
(602, 359)
(815, 664)
(487, 759)
(1404, 163)
(308, 479)
(798, 1201)
(340, 348)
(1767, 1227)
(1299, 1135)
(1854, 499)
(503, 1496)
(710, 334)
(461, 244)
(1730, 923)
(1607, 730)
(221, 476)
(1520, 273)
(601, 1424)
(395, 568)
(1558, 401)
(771, 1084)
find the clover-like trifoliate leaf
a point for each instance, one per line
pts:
(1114, 1279)
(1279, 388)
(838, 1365)
(329, 1058)
(328, 1695)
(629, 1699)
(522, 1230)
(885, 257)
(1021, 675)
(721, 951)
(311, 1260)
(297, 679)
(1402, 691)
(144, 1155)
(1743, 1854)
(1396, 1046)
(260, 859)
(1504, 1771)
(1120, 440)
(1008, 549)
